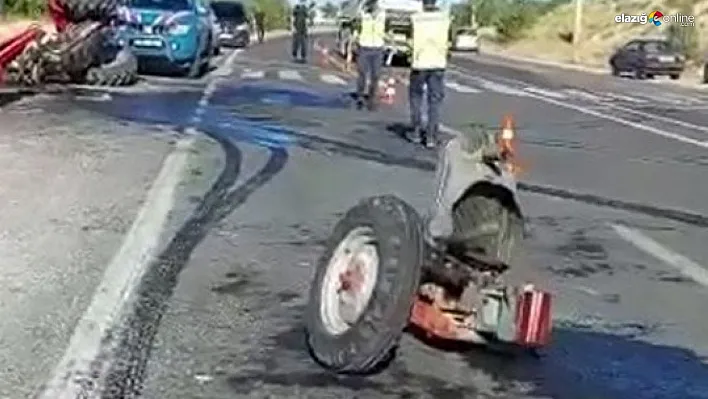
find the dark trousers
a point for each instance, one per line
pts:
(300, 45)
(260, 31)
(369, 61)
(434, 80)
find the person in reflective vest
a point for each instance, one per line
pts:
(370, 40)
(429, 47)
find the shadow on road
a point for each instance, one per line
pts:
(580, 364)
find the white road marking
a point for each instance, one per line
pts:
(498, 87)
(333, 79)
(676, 98)
(685, 266)
(648, 115)
(74, 376)
(583, 94)
(227, 67)
(461, 88)
(248, 74)
(602, 115)
(105, 97)
(634, 125)
(544, 92)
(290, 75)
(626, 98)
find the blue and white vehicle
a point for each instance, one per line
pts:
(172, 34)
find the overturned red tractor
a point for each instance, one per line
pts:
(81, 51)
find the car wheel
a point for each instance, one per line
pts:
(615, 71)
(639, 74)
(675, 76)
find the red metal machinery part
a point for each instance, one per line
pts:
(13, 47)
(58, 15)
(532, 324)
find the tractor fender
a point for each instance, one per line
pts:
(459, 173)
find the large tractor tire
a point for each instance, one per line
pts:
(79, 11)
(79, 49)
(364, 286)
(487, 221)
(27, 68)
(122, 70)
(58, 58)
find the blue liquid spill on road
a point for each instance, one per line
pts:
(178, 109)
(280, 95)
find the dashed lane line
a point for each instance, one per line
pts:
(684, 265)
(289, 74)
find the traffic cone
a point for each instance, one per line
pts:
(506, 142)
(323, 56)
(507, 133)
(389, 91)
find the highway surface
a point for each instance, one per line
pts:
(161, 239)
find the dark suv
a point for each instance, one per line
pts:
(234, 22)
(646, 58)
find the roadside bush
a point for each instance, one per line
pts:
(277, 13)
(686, 37)
(510, 18)
(24, 8)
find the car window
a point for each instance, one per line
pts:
(657, 47)
(631, 46)
(467, 32)
(229, 10)
(167, 5)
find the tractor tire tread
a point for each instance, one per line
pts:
(122, 71)
(371, 342)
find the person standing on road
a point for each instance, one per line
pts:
(428, 63)
(370, 32)
(300, 19)
(259, 16)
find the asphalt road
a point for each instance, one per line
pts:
(275, 153)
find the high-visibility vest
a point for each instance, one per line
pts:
(429, 42)
(373, 29)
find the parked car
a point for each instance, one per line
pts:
(234, 22)
(466, 39)
(646, 58)
(169, 34)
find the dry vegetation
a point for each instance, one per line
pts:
(548, 38)
(11, 27)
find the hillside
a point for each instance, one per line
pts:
(601, 34)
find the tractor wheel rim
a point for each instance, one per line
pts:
(349, 280)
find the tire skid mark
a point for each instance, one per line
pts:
(328, 146)
(135, 341)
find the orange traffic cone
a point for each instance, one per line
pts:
(506, 141)
(389, 91)
(323, 56)
(506, 135)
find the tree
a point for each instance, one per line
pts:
(329, 10)
(277, 13)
